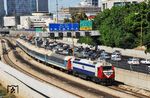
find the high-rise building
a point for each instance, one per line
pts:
(33, 5)
(95, 2)
(108, 4)
(20, 7)
(89, 3)
(42, 5)
(26, 7)
(2, 11)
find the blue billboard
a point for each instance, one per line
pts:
(64, 27)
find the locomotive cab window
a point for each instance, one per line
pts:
(77, 59)
(107, 67)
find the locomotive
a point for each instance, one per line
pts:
(97, 71)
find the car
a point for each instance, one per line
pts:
(104, 55)
(133, 61)
(145, 61)
(115, 56)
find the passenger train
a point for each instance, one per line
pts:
(99, 72)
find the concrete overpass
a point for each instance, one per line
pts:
(57, 34)
(4, 31)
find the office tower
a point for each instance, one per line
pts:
(20, 7)
(2, 11)
(42, 5)
(89, 3)
(95, 2)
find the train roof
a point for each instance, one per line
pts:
(94, 63)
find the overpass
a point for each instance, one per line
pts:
(4, 31)
(57, 34)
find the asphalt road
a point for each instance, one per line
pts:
(143, 68)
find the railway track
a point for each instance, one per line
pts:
(10, 62)
(111, 87)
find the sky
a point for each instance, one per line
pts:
(62, 3)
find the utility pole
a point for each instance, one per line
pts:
(57, 10)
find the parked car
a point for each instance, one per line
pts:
(133, 61)
(145, 61)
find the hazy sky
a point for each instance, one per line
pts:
(62, 3)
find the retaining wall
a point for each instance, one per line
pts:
(136, 79)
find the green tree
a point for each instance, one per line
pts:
(86, 40)
(66, 20)
(77, 16)
(121, 26)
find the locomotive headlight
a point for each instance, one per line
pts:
(109, 73)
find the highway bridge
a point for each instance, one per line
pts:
(56, 34)
(4, 31)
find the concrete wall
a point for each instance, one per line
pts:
(136, 79)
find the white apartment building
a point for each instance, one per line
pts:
(37, 20)
(110, 3)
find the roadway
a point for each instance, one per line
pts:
(143, 68)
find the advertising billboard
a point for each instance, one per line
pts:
(85, 25)
(9, 21)
(64, 27)
(38, 29)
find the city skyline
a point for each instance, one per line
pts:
(52, 4)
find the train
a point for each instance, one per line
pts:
(99, 72)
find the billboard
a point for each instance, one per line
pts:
(38, 29)
(85, 25)
(9, 21)
(64, 27)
